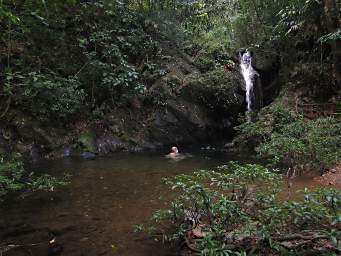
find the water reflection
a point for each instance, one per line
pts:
(94, 215)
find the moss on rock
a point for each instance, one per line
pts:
(87, 141)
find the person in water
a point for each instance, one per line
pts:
(174, 153)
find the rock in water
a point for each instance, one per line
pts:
(88, 155)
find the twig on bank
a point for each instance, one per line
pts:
(9, 100)
(81, 69)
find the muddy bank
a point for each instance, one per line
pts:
(331, 178)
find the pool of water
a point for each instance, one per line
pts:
(94, 215)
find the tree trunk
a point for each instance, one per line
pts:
(333, 21)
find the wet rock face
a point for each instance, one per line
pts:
(265, 60)
(26, 136)
(106, 144)
(180, 121)
(220, 93)
(188, 113)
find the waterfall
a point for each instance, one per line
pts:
(249, 75)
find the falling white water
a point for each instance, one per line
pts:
(249, 75)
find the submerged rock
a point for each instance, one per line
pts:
(231, 147)
(67, 152)
(88, 155)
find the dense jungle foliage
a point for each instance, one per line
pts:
(62, 58)
(73, 60)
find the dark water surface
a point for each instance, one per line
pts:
(94, 215)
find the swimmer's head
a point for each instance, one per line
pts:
(175, 150)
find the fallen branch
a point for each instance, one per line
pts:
(300, 237)
(307, 240)
(9, 247)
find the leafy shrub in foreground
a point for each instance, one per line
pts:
(234, 210)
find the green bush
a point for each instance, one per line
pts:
(56, 62)
(292, 140)
(314, 142)
(49, 97)
(109, 67)
(205, 63)
(270, 119)
(234, 210)
(11, 174)
(117, 50)
(14, 178)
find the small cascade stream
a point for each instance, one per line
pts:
(249, 75)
